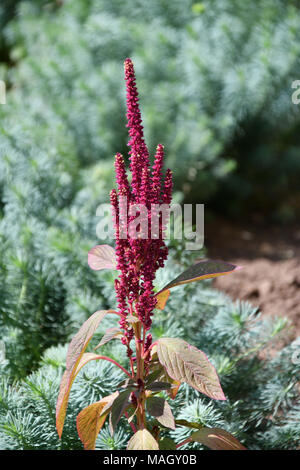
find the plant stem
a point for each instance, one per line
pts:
(130, 359)
(116, 364)
(186, 441)
(141, 417)
(130, 423)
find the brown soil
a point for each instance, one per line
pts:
(270, 256)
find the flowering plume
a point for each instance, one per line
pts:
(139, 257)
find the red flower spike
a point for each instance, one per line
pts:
(157, 174)
(138, 258)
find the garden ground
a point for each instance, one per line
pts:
(270, 256)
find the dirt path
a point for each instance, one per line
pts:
(270, 257)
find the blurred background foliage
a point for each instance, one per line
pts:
(214, 78)
(215, 88)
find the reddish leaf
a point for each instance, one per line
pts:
(203, 270)
(91, 419)
(158, 386)
(86, 357)
(154, 374)
(175, 384)
(74, 363)
(142, 440)
(217, 439)
(111, 333)
(159, 373)
(102, 257)
(161, 410)
(185, 363)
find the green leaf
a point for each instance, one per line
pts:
(158, 386)
(110, 334)
(142, 440)
(167, 444)
(160, 409)
(102, 257)
(185, 363)
(153, 376)
(183, 422)
(127, 383)
(74, 363)
(91, 419)
(217, 439)
(203, 270)
(118, 408)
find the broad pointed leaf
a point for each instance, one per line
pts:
(167, 444)
(158, 386)
(142, 440)
(153, 375)
(203, 270)
(127, 383)
(86, 357)
(159, 373)
(217, 439)
(118, 408)
(185, 363)
(75, 352)
(110, 334)
(174, 386)
(102, 257)
(160, 409)
(91, 419)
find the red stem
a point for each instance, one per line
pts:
(114, 311)
(116, 364)
(131, 423)
(131, 361)
(183, 442)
